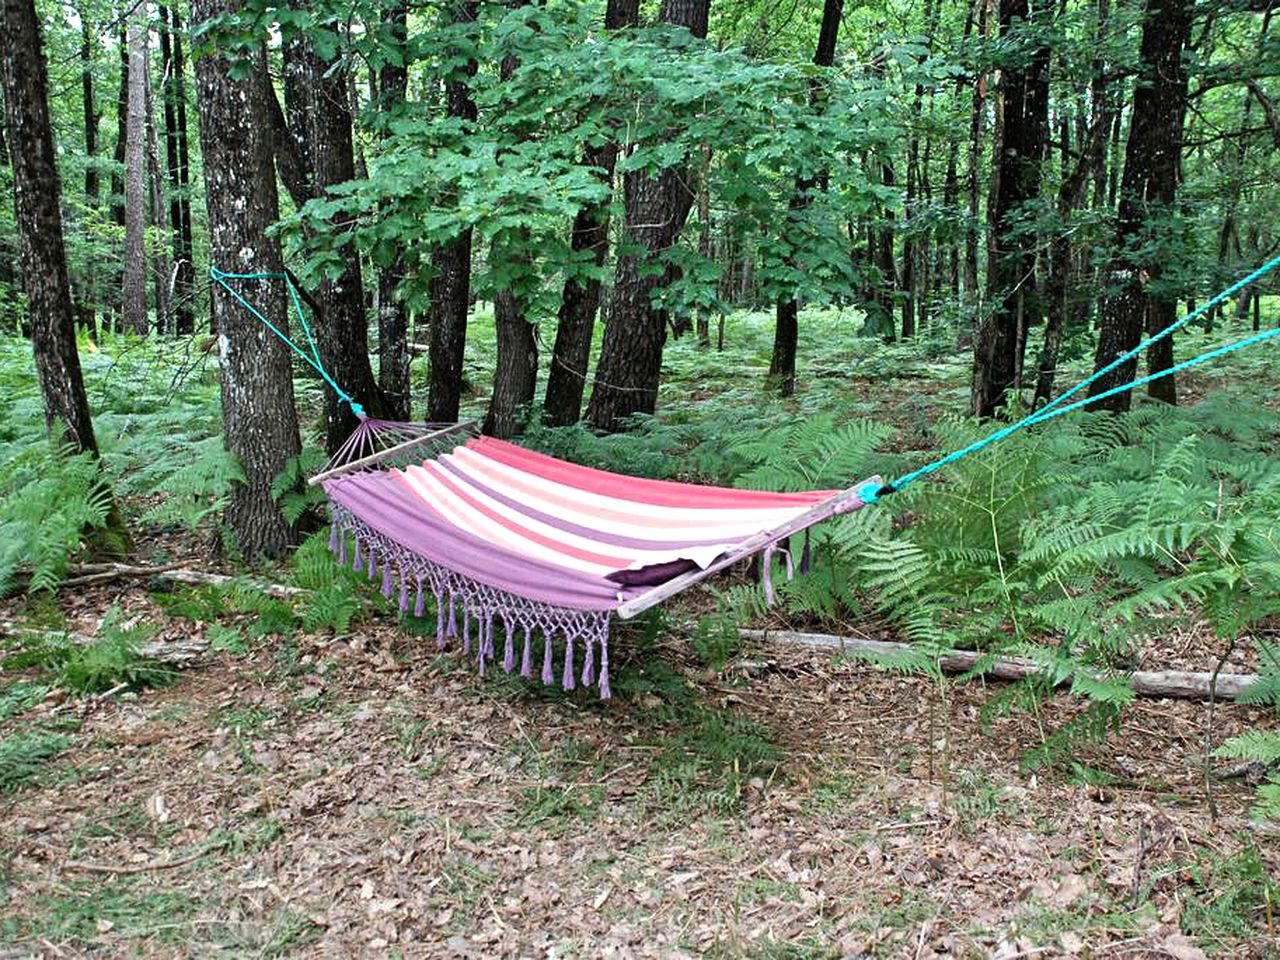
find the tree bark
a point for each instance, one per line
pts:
(567, 379)
(977, 123)
(319, 118)
(626, 380)
(36, 200)
(786, 333)
(515, 376)
(134, 296)
(87, 310)
(1152, 169)
(240, 196)
(159, 215)
(1000, 341)
(451, 269)
(393, 315)
(176, 164)
(8, 279)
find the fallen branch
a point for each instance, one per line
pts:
(100, 572)
(1146, 683)
(175, 651)
(81, 866)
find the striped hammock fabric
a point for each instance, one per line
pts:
(501, 536)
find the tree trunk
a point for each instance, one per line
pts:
(134, 296)
(1152, 167)
(36, 200)
(159, 215)
(451, 269)
(1024, 109)
(977, 123)
(175, 150)
(626, 380)
(786, 334)
(567, 378)
(87, 310)
(240, 196)
(319, 118)
(393, 315)
(8, 279)
(515, 375)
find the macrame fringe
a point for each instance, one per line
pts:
(480, 605)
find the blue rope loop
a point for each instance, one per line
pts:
(1055, 408)
(310, 355)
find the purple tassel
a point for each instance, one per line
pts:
(466, 630)
(566, 679)
(342, 549)
(356, 564)
(766, 568)
(806, 560)
(548, 677)
(440, 641)
(386, 580)
(370, 572)
(605, 692)
(404, 595)
(483, 627)
(589, 664)
(333, 537)
(526, 658)
(452, 630)
(419, 604)
(509, 648)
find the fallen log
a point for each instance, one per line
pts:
(102, 572)
(179, 650)
(1146, 683)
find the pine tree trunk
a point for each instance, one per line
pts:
(319, 119)
(626, 380)
(567, 378)
(977, 125)
(786, 334)
(134, 296)
(240, 196)
(1152, 169)
(393, 315)
(1024, 109)
(451, 266)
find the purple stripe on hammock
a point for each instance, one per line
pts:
(599, 536)
(386, 506)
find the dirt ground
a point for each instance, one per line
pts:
(362, 796)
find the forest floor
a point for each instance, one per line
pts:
(362, 796)
(356, 794)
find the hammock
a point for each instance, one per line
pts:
(501, 536)
(498, 535)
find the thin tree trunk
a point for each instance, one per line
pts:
(1024, 116)
(626, 380)
(240, 195)
(159, 215)
(580, 301)
(786, 332)
(451, 268)
(706, 246)
(1148, 192)
(87, 309)
(134, 295)
(515, 376)
(977, 123)
(393, 314)
(319, 118)
(173, 96)
(8, 279)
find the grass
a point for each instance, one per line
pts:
(25, 756)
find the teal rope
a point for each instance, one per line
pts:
(871, 492)
(313, 356)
